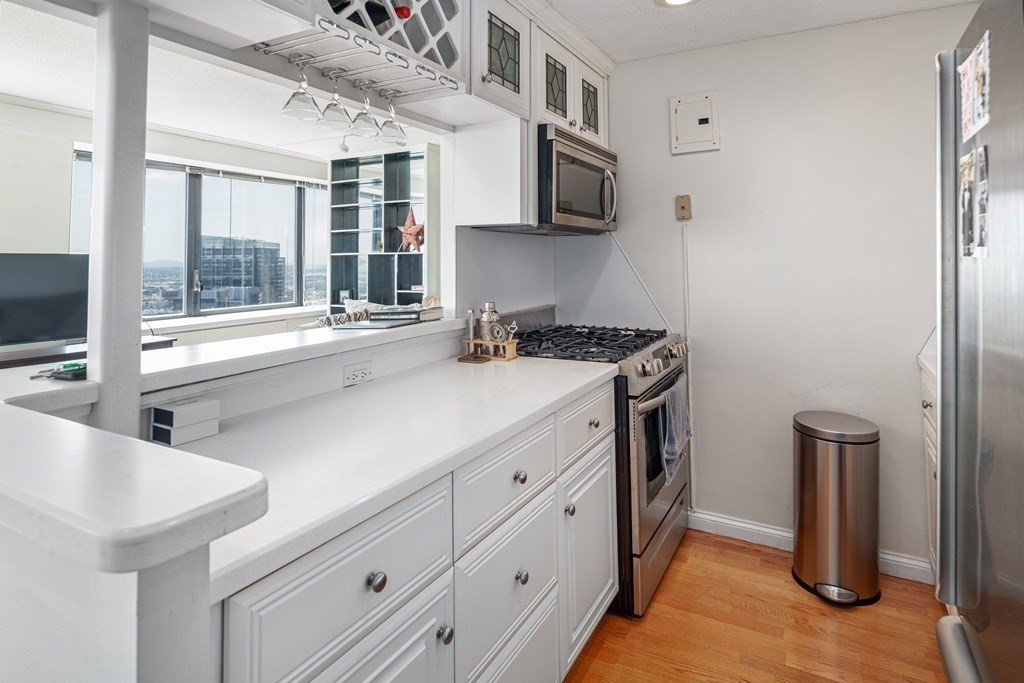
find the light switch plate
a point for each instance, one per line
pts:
(684, 208)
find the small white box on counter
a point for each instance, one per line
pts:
(175, 436)
(187, 412)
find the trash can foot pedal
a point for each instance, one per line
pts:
(835, 594)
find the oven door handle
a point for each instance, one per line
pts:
(648, 406)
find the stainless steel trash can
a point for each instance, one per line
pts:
(835, 506)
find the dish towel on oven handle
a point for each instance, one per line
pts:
(677, 427)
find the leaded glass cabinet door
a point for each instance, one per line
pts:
(592, 111)
(501, 56)
(554, 95)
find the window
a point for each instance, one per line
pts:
(503, 53)
(252, 242)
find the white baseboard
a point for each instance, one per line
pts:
(890, 563)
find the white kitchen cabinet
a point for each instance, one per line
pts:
(582, 424)
(588, 566)
(567, 91)
(930, 427)
(931, 459)
(532, 654)
(296, 622)
(500, 68)
(500, 582)
(489, 489)
(417, 644)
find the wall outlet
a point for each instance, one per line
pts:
(358, 373)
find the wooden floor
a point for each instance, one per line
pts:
(730, 611)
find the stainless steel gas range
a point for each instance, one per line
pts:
(653, 515)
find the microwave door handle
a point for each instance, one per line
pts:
(615, 196)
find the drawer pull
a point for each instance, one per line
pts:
(570, 510)
(377, 581)
(522, 576)
(520, 476)
(446, 634)
(926, 404)
(595, 423)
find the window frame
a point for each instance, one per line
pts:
(194, 175)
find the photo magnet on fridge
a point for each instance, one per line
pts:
(975, 85)
(965, 203)
(981, 202)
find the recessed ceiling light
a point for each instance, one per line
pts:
(675, 3)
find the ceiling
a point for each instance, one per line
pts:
(53, 60)
(634, 29)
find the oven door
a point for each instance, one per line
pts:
(652, 498)
(583, 189)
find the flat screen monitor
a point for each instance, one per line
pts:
(43, 297)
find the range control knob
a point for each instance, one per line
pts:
(646, 368)
(659, 366)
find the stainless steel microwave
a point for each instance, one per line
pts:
(576, 182)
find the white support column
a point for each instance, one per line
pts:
(118, 205)
(173, 637)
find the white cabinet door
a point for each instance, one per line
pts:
(416, 645)
(566, 91)
(554, 76)
(588, 570)
(500, 582)
(591, 110)
(500, 71)
(931, 472)
(532, 655)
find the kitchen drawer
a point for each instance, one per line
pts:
(928, 399)
(584, 423)
(486, 491)
(297, 621)
(407, 647)
(532, 654)
(491, 603)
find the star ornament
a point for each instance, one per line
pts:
(412, 234)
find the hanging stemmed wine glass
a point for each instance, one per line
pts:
(335, 116)
(301, 104)
(391, 130)
(364, 123)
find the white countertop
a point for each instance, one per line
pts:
(115, 503)
(44, 395)
(337, 459)
(181, 365)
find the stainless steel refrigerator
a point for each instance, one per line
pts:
(981, 347)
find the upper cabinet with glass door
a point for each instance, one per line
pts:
(501, 56)
(567, 92)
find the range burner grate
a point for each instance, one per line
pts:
(599, 344)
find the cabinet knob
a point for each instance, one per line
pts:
(595, 423)
(377, 581)
(926, 404)
(520, 476)
(446, 634)
(572, 124)
(487, 77)
(570, 510)
(522, 576)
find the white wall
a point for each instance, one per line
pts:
(811, 252)
(36, 145)
(595, 285)
(515, 271)
(35, 193)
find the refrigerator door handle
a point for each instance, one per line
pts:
(947, 147)
(956, 652)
